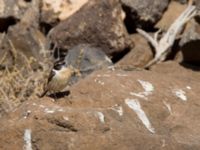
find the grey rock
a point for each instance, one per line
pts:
(90, 59)
(86, 59)
(96, 116)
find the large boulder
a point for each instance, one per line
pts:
(86, 59)
(99, 23)
(157, 109)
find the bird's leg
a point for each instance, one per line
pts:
(43, 94)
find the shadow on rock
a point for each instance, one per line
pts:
(59, 95)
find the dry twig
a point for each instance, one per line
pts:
(162, 47)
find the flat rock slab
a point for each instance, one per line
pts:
(125, 110)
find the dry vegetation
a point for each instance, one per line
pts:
(19, 84)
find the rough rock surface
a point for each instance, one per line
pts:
(140, 55)
(197, 2)
(189, 44)
(86, 59)
(170, 15)
(12, 11)
(98, 22)
(16, 8)
(24, 38)
(53, 11)
(109, 108)
(182, 1)
(157, 109)
(143, 13)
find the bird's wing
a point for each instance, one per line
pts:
(52, 73)
(45, 89)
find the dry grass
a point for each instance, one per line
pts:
(19, 84)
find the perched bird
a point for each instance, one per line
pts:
(58, 78)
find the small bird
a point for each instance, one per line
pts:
(58, 78)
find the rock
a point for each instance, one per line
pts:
(99, 23)
(16, 8)
(108, 108)
(54, 11)
(28, 43)
(11, 12)
(170, 15)
(191, 33)
(189, 44)
(197, 2)
(182, 1)
(23, 41)
(156, 109)
(87, 59)
(143, 14)
(139, 56)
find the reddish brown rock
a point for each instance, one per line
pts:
(182, 1)
(170, 15)
(99, 23)
(86, 59)
(23, 39)
(140, 55)
(189, 44)
(157, 109)
(54, 11)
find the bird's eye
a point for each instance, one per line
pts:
(57, 67)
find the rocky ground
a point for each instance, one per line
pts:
(120, 103)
